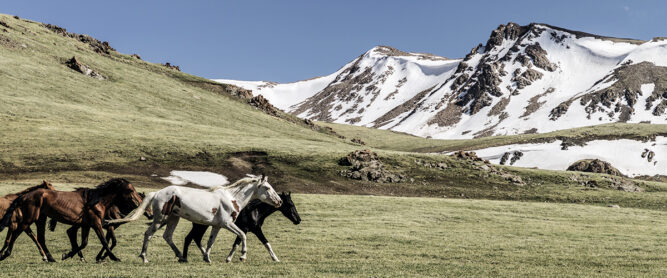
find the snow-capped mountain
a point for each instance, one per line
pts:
(525, 79)
(361, 92)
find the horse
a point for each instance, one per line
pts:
(84, 207)
(251, 220)
(112, 213)
(5, 203)
(218, 206)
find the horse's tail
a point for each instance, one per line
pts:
(52, 224)
(7, 218)
(137, 212)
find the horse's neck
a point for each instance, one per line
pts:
(264, 210)
(242, 194)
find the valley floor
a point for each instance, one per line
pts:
(394, 236)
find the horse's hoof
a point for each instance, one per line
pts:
(64, 257)
(182, 260)
(228, 260)
(83, 260)
(242, 260)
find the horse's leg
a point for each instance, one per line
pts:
(32, 236)
(97, 227)
(260, 235)
(76, 250)
(236, 243)
(211, 240)
(198, 238)
(41, 231)
(111, 237)
(188, 240)
(157, 219)
(71, 234)
(172, 221)
(10, 245)
(239, 233)
(8, 238)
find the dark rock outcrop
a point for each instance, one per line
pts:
(174, 67)
(97, 46)
(366, 166)
(76, 65)
(594, 166)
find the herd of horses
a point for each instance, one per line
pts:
(240, 208)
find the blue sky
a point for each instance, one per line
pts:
(287, 41)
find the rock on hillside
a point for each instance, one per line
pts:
(594, 166)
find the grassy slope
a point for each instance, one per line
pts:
(53, 117)
(387, 236)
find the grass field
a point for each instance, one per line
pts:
(343, 235)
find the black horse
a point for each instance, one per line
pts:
(251, 220)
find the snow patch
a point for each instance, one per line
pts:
(624, 154)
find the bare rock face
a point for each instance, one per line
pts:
(594, 166)
(76, 65)
(367, 166)
(263, 104)
(511, 31)
(526, 78)
(487, 80)
(620, 99)
(539, 56)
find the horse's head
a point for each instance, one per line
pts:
(149, 211)
(266, 194)
(47, 185)
(289, 209)
(127, 197)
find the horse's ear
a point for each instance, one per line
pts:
(265, 179)
(289, 193)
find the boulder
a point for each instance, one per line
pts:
(367, 166)
(76, 65)
(594, 166)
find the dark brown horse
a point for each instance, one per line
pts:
(84, 208)
(112, 213)
(5, 203)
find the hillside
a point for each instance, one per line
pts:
(536, 78)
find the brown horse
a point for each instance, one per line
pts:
(112, 213)
(84, 208)
(5, 203)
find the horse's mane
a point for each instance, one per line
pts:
(30, 189)
(235, 184)
(93, 195)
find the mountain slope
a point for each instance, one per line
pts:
(525, 79)
(363, 91)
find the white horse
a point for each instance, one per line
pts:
(218, 207)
